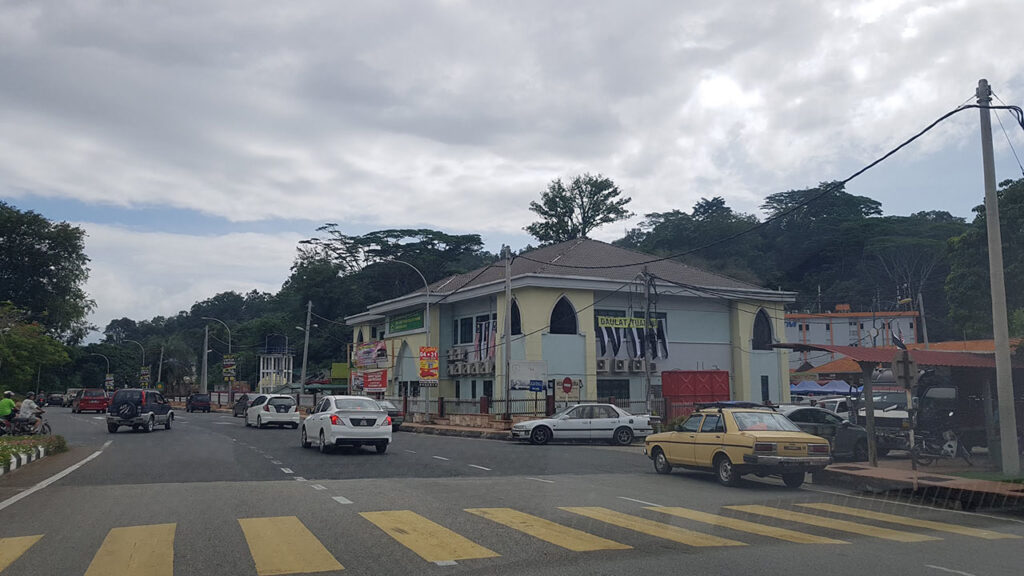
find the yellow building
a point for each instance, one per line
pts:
(579, 321)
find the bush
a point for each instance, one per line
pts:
(11, 445)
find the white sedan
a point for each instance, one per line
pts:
(277, 409)
(586, 422)
(347, 421)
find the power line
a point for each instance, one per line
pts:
(1007, 136)
(827, 189)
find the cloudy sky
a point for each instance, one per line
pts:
(197, 142)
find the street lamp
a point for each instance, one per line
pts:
(104, 357)
(426, 326)
(225, 327)
(141, 349)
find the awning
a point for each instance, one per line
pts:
(885, 355)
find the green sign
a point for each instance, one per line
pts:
(405, 322)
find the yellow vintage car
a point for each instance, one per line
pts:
(732, 441)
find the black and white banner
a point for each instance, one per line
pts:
(619, 336)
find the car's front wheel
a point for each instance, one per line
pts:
(725, 471)
(540, 435)
(793, 479)
(661, 463)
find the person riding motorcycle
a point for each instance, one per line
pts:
(29, 410)
(7, 406)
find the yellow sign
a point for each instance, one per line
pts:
(621, 322)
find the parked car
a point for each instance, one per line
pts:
(69, 396)
(847, 440)
(277, 409)
(139, 408)
(585, 422)
(197, 403)
(91, 399)
(347, 421)
(241, 404)
(55, 399)
(733, 439)
(397, 416)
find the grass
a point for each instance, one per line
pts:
(10, 445)
(987, 475)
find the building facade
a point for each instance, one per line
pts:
(586, 333)
(845, 328)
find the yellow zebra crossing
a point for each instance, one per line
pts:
(284, 545)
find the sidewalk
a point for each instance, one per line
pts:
(461, 431)
(941, 480)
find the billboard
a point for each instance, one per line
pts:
(405, 322)
(375, 381)
(620, 336)
(525, 373)
(368, 354)
(428, 365)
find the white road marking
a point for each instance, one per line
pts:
(106, 444)
(541, 480)
(287, 470)
(479, 467)
(268, 456)
(275, 462)
(979, 515)
(439, 457)
(342, 500)
(99, 417)
(319, 487)
(642, 502)
(950, 570)
(446, 563)
(298, 478)
(224, 423)
(411, 451)
(54, 478)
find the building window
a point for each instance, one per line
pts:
(488, 388)
(762, 331)
(828, 327)
(911, 325)
(466, 330)
(359, 336)
(517, 322)
(472, 389)
(563, 318)
(765, 392)
(613, 389)
(458, 389)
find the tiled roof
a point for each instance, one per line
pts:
(964, 345)
(560, 259)
(839, 366)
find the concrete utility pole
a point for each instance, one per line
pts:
(206, 352)
(506, 252)
(160, 366)
(305, 350)
(647, 338)
(924, 323)
(1000, 320)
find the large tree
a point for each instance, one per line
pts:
(573, 212)
(25, 350)
(43, 271)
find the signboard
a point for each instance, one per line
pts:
(428, 365)
(624, 322)
(108, 382)
(567, 385)
(405, 322)
(227, 367)
(524, 372)
(375, 381)
(537, 386)
(904, 369)
(144, 376)
(368, 354)
(340, 371)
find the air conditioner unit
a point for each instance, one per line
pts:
(602, 365)
(463, 354)
(619, 366)
(652, 367)
(453, 354)
(454, 369)
(636, 365)
(474, 368)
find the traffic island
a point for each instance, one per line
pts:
(18, 451)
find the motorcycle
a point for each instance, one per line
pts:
(930, 447)
(20, 427)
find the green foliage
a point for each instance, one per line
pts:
(43, 271)
(11, 445)
(568, 213)
(25, 348)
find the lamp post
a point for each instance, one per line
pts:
(222, 323)
(104, 357)
(143, 350)
(426, 326)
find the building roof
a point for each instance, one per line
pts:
(965, 345)
(842, 365)
(885, 355)
(583, 260)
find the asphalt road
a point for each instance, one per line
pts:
(213, 497)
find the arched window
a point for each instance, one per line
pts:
(517, 321)
(563, 318)
(762, 331)
(359, 336)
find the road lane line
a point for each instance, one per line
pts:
(298, 478)
(268, 456)
(641, 502)
(744, 526)
(557, 534)
(651, 528)
(135, 551)
(52, 479)
(283, 545)
(541, 480)
(431, 541)
(275, 462)
(911, 505)
(479, 467)
(287, 470)
(318, 487)
(342, 500)
(834, 524)
(411, 451)
(929, 524)
(440, 458)
(12, 548)
(949, 570)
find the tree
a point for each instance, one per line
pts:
(25, 349)
(569, 213)
(43, 271)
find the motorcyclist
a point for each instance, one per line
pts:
(28, 412)
(7, 406)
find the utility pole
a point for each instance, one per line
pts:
(305, 350)
(507, 349)
(923, 322)
(1000, 322)
(647, 337)
(206, 352)
(160, 365)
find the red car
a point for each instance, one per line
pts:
(90, 399)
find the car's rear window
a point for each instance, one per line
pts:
(282, 401)
(387, 405)
(357, 404)
(94, 394)
(201, 398)
(770, 421)
(128, 396)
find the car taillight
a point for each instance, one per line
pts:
(764, 447)
(266, 407)
(817, 448)
(386, 421)
(335, 421)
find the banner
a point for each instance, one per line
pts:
(108, 382)
(428, 365)
(375, 381)
(525, 373)
(617, 334)
(227, 367)
(144, 376)
(405, 322)
(368, 354)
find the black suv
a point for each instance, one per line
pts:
(141, 409)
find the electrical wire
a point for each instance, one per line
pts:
(827, 189)
(1007, 136)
